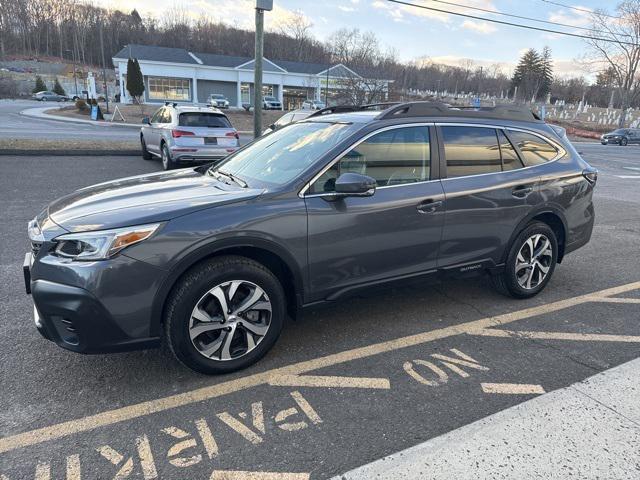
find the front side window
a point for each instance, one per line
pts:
(534, 149)
(471, 151)
(157, 117)
(393, 157)
(281, 156)
(285, 119)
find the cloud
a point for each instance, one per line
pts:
(346, 9)
(479, 27)
(577, 18)
(395, 13)
(409, 11)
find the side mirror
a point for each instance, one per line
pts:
(355, 185)
(145, 120)
(273, 126)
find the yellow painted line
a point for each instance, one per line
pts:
(241, 475)
(111, 417)
(512, 388)
(585, 337)
(329, 382)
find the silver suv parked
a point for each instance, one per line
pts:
(179, 134)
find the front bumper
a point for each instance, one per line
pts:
(94, 307)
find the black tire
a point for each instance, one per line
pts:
(167, 161)
(506, 282)
(145, 153)
(624, 142)
(191, 288)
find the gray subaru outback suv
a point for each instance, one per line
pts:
(213, 258)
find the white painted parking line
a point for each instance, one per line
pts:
(586, 337)
(616, 300)
(329, 382)
(512, 388)
(241, 475)
(628, 176)
(111, 417)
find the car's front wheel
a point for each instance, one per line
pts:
(530, 263)
(624, 142)
(145, 152)
(224, 315)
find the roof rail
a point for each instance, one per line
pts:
(351, 108)
(438, 109)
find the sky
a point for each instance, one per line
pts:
(412, 32)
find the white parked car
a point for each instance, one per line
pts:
(218, 100)
(313, 105)
(271, 103)
(179, 134)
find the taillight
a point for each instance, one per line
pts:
(232, 134)
(591, 174)
(181, 133)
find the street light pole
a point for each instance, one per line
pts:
(104, 73)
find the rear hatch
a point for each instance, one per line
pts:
(204, 129)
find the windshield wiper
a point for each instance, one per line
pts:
(233, 178)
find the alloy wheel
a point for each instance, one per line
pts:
(230, 320)
(533, 261)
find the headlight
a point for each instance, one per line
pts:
(102, 244)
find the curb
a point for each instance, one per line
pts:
(68, 153)
(40, 112)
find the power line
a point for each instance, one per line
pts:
(540, 29)
(571, 7)
(493, 12)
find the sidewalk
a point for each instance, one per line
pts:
(40, 112)
(589, 430)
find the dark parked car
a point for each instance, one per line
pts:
(621, 136)
(213, 258)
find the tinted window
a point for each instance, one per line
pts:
(285, 119)
(471, 151)
(534, 149)
(510, 160)
(282, 155)
(203, 119)
(393, 157)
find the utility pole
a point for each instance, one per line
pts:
(104, 73)
(261, 6)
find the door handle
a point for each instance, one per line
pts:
(429, 206)
(521, 191)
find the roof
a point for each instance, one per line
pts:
(181, 55)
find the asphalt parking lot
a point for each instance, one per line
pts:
(344, 386)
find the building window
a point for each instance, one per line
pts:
(163, 88)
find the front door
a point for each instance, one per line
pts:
(392, 234)
(488, 193)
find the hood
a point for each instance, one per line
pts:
(143, 199)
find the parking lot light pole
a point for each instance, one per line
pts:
(261, 6)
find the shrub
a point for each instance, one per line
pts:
(40, 85)
(57, 88)
(81, 105)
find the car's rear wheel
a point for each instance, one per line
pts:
(530, 263)
(167, 161)
(224, 315)
(145, 153)
(624, 142)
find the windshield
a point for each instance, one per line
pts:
(270, 99)
(217, 95)
(279, 157)
(620, 131)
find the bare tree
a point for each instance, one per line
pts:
(616, 46)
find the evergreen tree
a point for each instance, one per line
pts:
(135, 82)
(40, 85)
(57, 88)
(546, 73)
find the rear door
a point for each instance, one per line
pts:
(488, 192)
(152, 138)
(205, 129)
(392, 234)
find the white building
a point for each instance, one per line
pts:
(175, 74)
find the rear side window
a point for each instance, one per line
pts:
(204, 119)
(471, 151)
(534, 149)
(510, 159)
